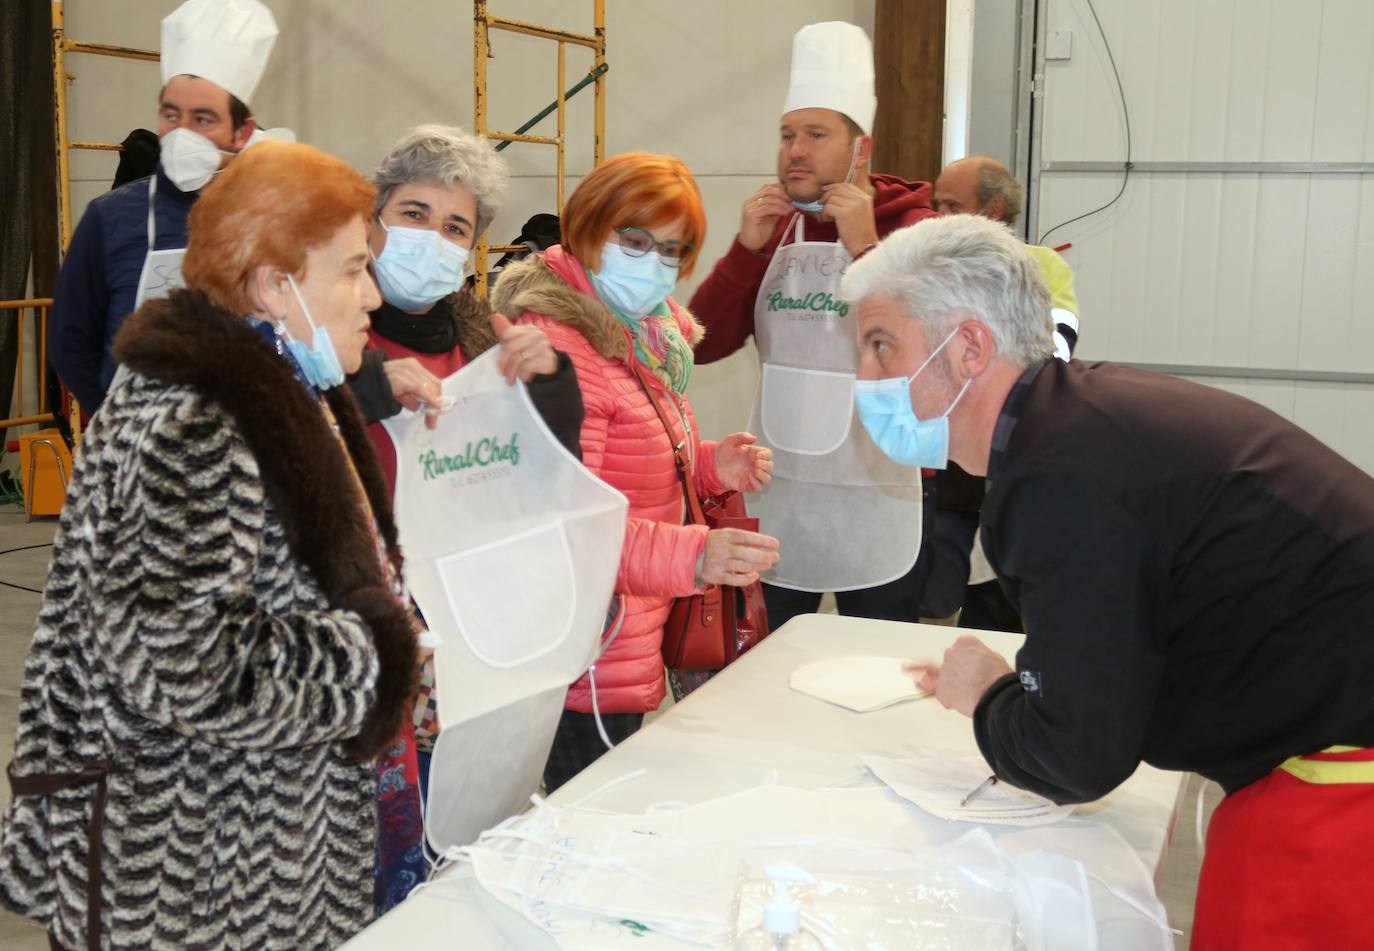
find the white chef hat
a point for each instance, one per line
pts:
(224, 41)
(279, 134)
(832, 68)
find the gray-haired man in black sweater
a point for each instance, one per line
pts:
(1195, 573)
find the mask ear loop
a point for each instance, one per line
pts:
(853, 161)
(933, 354)
(300, 299)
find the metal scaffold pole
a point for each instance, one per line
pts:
(483, 24)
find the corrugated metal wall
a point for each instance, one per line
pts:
(1272, 271)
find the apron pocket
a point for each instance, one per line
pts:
(807, 412)
(513, 599)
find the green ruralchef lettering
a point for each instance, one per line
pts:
(482, 453)
(818, 301)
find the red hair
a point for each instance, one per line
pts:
(271, 204)
(633, 190)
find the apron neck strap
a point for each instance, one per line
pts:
(152, 203)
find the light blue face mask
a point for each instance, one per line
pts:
(815, 206)
(418, 267)
(318, 362)
(885, 408)
(632, 286)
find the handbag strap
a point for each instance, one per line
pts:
(682, 459)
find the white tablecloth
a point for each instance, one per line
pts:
(748, 727)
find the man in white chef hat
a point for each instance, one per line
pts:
(849, 520)
(129, 243)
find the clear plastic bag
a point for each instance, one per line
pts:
(917, 909)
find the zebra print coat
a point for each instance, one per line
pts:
(216, 660)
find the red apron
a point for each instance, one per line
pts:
(1290, 859)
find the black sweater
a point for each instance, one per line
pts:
(1196, 577)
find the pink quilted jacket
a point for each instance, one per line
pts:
(624, 443)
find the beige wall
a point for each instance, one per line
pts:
(703, 80)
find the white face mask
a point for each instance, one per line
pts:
(418, 267)
(190, 159)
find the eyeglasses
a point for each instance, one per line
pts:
(637, 242)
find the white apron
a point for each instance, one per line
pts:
(846, 515)
(512, 549)
(161, 272)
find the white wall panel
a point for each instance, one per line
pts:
(1261, 270)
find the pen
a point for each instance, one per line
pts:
(978, 791)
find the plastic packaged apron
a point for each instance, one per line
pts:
(847, 516)
(512, 549)
(161, 272)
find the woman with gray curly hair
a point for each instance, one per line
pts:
(438, 189)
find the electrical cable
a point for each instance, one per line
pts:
(1125, 115)
(10, 491)
(10, 551)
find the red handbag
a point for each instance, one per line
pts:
(707, 631)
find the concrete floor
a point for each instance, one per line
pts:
(17, 610)
(1177, 888)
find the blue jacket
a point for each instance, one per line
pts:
(99, 279)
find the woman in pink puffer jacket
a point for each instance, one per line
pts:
(631, 229)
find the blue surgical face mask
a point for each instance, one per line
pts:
(632, 286)
(418, 267)
(815, 206)
(318, 362)
(885, 408)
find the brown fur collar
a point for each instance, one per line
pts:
(188, 341)
(531, 285)
(472, 314)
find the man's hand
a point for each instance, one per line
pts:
(414, 387)
(762, 212)
(851, 208)
(970, 667)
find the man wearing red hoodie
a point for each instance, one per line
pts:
(848, 519)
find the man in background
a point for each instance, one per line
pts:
(129, 244)
(849, 520)
(981, 185)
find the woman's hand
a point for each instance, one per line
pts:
(414, 387)
(525, 351)
(735, 557)
(741, 465)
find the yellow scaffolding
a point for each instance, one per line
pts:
(483, 23)
(39, 308)
(61, 46)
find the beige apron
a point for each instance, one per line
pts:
(847, 516)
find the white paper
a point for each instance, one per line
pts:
(859, 682)
(938, 783)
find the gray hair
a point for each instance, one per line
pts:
(448, 156)
(945, 270)
(996, 181)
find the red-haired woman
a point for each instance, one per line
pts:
(219, 656)
(631, 230)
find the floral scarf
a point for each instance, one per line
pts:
(660, 346)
